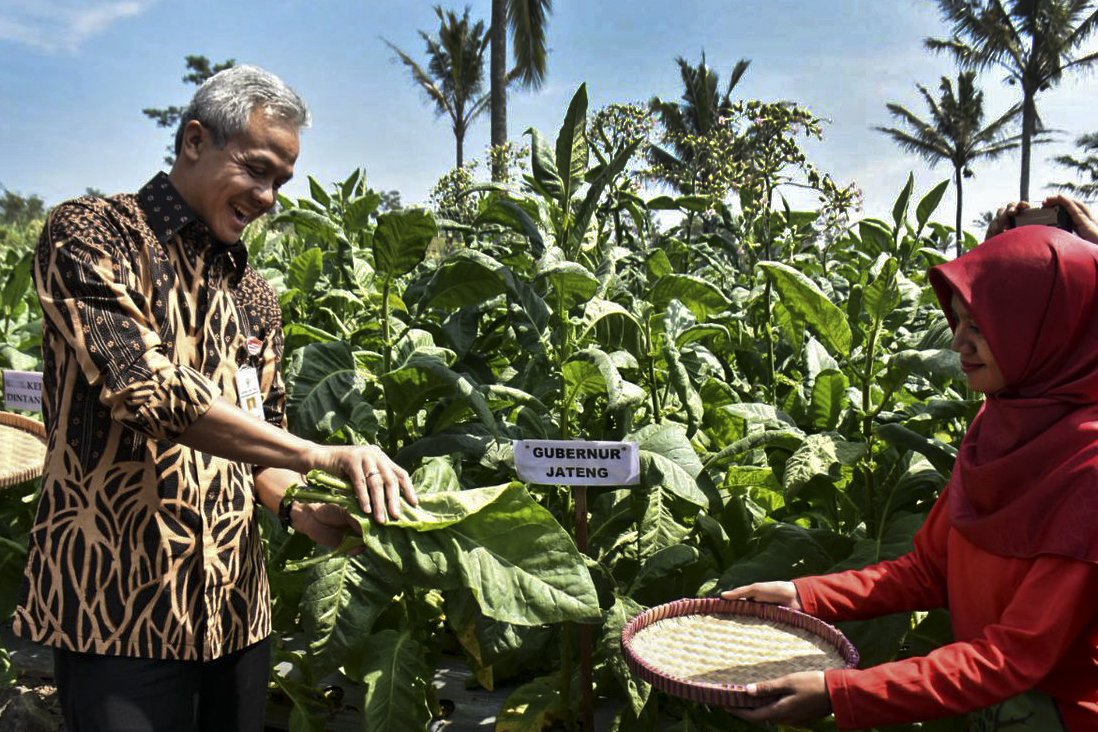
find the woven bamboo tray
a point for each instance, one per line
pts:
(708, 649)
(22, 448)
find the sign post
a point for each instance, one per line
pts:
(23, 390)
(579, 463)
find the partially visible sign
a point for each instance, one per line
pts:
(23, 390)
(577, 462)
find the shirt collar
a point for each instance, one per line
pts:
(168, 214)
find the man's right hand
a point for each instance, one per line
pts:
(775, 593)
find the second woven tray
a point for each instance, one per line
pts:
(22, 448)
(709, 649)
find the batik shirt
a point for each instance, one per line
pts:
(142, 546)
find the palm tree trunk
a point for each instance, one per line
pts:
(1029, 125)
(960, 204)
(498, 73)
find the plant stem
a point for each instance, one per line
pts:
(867, 429)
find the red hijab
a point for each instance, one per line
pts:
(1026, 477)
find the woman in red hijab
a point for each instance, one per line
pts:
(1011, 546)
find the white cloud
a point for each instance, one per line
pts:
(62, 25)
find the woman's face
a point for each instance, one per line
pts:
(977, 361)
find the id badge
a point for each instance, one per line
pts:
(247, 390)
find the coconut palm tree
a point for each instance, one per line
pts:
(527, 21)
(954, 132)
(1085, 166)
(454, 78)
(1033, 41)
(701, 111)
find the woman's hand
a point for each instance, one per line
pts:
(775, 593)
(1001, 220)
(1086, 227)
(801, 699)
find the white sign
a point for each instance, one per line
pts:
(577, 462)
(23, 390)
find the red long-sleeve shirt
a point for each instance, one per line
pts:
(1018, 624)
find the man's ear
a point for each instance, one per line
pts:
(196, 138)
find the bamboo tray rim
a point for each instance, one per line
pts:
(29, 455)
(723, 693)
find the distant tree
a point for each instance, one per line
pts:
(691, 125)
(1032, 40)
(16, 209)
(955, 132)
(454, 76)
(200, 70)
(390, 200)
(1085, 166)
(526, 21)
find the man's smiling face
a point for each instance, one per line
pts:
(239, 182)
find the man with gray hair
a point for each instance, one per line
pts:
(165, 411)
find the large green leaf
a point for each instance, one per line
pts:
(882, 294)
(701, 296)
(466, 278)
(543, 165)
(16, 285)
(341, 602)
(396, 675)
(401, 240)
(357, 214)
(903, 201)
(612, 326)
(684, 388)
(668, 460)
(520, 565)
(822, 455)
(782, 551)
(594, 193)
(532, 707)
(876, 237)
(425, 376)
(636, 690)
(802, 296)
(572, 150)
(572, 284)
(828, 399)
(941, 455)
(305, 271)
(323, 389)
(929, 202)
(592, 371)
(504, 212)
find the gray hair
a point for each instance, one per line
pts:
(225, 101)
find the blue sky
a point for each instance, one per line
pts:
(74, 75)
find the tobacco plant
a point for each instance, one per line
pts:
(788, 382)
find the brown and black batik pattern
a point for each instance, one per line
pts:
(141, 546)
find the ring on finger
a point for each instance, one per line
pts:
(372, 473)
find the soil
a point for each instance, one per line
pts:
(30, 705)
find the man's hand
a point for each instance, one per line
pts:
(325, 523)
(775, 593)
(801, 699)
(378, 481)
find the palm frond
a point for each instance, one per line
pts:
(527, 20)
